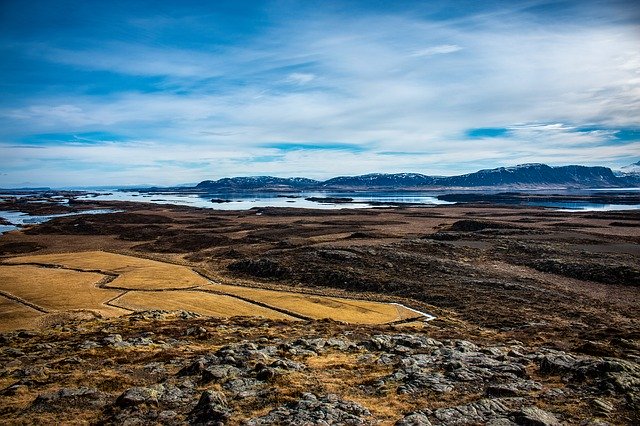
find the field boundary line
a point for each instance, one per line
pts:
(406, 320)
(203, 273)
(377, 298)
(58, 266)
(209, 288)
(23, 302)
(257, 303)
(103, 283)
(113, 305)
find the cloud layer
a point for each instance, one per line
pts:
(202, 93)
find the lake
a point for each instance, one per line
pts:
(311, 200)
(245, 201)
(248, 200)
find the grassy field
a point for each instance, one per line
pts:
(57, 289)
(318, 307)
(14, 315)
(159, 285)
(195, 301)
(133, 272)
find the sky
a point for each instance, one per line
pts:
(165, 92)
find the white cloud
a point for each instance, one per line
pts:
(300, 78)
(437, 50)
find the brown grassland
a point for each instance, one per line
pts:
(141, 284)
(487, 270)
(133, 273)
(215, 305)
(319, 307)
(57, 289)
(15, 315)
(534, 308)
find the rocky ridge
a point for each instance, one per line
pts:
(161, 367)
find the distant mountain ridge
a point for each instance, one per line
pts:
(631, 169)
(521, 176)
(539, 174)
(258, 182)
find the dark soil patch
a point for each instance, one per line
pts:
(19, 248)
(262, 268)
(468, 225)
(142, 233)
(607, 274)
(626, 224)
(183, 243)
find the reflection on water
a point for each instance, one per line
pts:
(245, 201)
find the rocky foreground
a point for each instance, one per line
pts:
(159, 367)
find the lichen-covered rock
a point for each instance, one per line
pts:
(414, 419)
(69, 397)
(481, 411)
(416, 381)
(219, 373)
(212, 409)
(534, 416)
(313, 410)
(140, 395)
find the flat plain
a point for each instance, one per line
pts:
(215, 305)
(115, 284)
(489, 268)
(319, 307)
(15, 315)
(133, 273)
(537, 316)
(52, 290)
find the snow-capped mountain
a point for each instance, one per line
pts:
(631, 169)
(525, 175)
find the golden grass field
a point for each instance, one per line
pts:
(57, 289)
(143, 284)
(133, 272)
(214, 305)
(318, 307)
(14, 315)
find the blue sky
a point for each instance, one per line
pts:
(164, 92)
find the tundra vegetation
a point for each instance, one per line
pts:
(166, 314)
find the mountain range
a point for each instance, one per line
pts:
(633, 169)
(519, 177)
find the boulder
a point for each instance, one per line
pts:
(414, 419)
(140, 395)
(312, 410)
(534, 416)
(481, 411)
(211, 409)
(69, 397)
